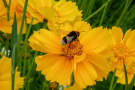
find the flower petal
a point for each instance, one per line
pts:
(100, 64)
(117, 34)
(84, 74)
(55, 68)
(45, 41)
(5, 65)
(96, 40)
(126, 36)
(130, 42)
(5, 26)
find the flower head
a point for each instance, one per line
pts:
(40, 10)
(5, 75)
(5, 24)
(121, 49)
(81, 56)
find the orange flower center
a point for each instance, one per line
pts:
(121, 51)
(72, 49)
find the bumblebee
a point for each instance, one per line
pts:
(72, 36)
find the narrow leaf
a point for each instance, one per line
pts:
(131, 85)
(14, 33)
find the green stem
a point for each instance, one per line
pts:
(22, 24)
(14, 58)
(103, 14)
(25, 45)
(8, 11)
(7, 45)
(31, 66)
(112, 81)
(96, 11)
(5, 3)
(20, 33)
(126, 77)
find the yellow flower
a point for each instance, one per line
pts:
(54, 12)
(39, 10)
(3, 10)
(5, 75)
(5, 25)
(81, 57)
(66, 12)
(122, 48)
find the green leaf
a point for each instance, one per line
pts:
(14, 33)
(131, 85)
(14, 59)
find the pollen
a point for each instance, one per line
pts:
(121, 52)
(72, 49)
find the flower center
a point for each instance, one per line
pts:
(72, 49)
(121, 51)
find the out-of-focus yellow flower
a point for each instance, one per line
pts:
(5, 75)
(66, 12)
(54, 12)
(3, 10)
(74, 87)
(40, 10)
(16, 7)
(5, 25)
(121, 49)
(82, 57)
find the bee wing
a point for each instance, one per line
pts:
(62, 33)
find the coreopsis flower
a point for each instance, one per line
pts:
(81, 56)
(40, 10)
(5, 24)
(5, 75)
(66, 11)
(121, 49)
(54, 12)
(17, 7)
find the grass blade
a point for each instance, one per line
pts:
(131, 85)
(14, 59)
(14, 33)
